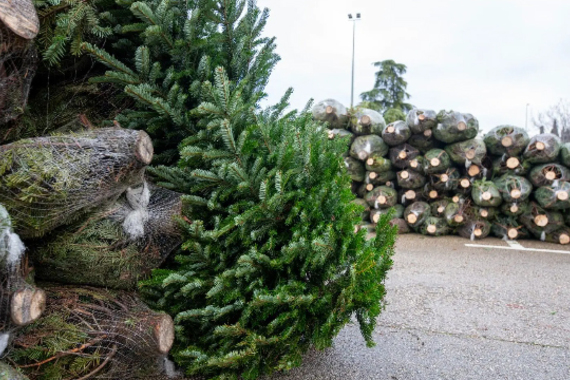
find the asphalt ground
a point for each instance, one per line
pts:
(461, 312)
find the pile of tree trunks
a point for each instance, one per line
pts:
(76, 209)
(439, 177)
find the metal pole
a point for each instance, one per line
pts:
(353, 50)
(526, 121)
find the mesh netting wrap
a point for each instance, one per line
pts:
(96, 334)
(355, 169)
(438, 207)
(555, 196)
(542, 149)
(514, 208)
(332, 112)
(366, 208)
(454, 214)
(420, 120)
(475, 229)
(18, 61)
(464, 185)
(510, 165)
(446, 181)
(402, 155)
(382, 197)
(417, 213)
(508, 228)
(20, 302)
(368, 122)
(506, 140)
(46, 182)
(467, 152)
(434, 227)
(486, 194)
(117, 247)
(366, 146)
(436, 161)
(560, 236)
(423, 143)
(373, 179)
(378, 164)
(514, 188)
(540, 221)
(408, 196)
(9, 373)
(403, 227)
(565, 154)
(397, 213)
(455, 126)
(20, 17)
(341, 134)
(396, 133)
(547, 174)
(486, 213)
(409, 179)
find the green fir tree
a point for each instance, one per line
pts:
(389, 88)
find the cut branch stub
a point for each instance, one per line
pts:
(435, 161)
(461, 126)
(444, 178)
(403, 155)
(414, 163)
(456, 199)
(465, 183)
(412, 218)
(144, 150)
(428, 133)
(484, 213)
(330, 110)
(487, 195)
(163, 331)
(410, 194)
(27, 305)
(422, 117)
(431, 229)
(369, 187)
(458, 218)
(365, 120)
(370, 161)
(540, 146)
(433, 194)
(331, 135)
(405, 174)
(390, 129)
(373, 175)
(513, 163)
(514, 209)
(376, 218)
(512, 233)
(507, 141)
(440, 209)
(516, 194)
(470, 154)
(550, 175)
(564, 239)
(20, 17)
(562, 195)
(382, 199)
(541, 220)
(478, 232)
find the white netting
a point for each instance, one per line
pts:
(47, 182)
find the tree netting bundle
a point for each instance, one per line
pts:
(431, 193)
(555, 196)
(409, 179)
(408, 196)
(366, 146)
(118, 246)
(368, 122)
(341, 134)
(417, 164)
(506, 140)
(396, 133)
(547, 174)
(486, 213)
(96, 334)
(560, 236)
(423, 143)
(355, 169)
(508, 228)
(378, 179)
(18, 62)
(9, 373)
(514, 188)
(454, 214)
(403, 227)
(540, 221)
(47, 182)
(542, 149)
(475, 229)
(402, 155)
(510, 165)
(397, 213)
(467, 152)
(436, 161)
(486, 194)
(565, 154)
(446, 181)
(378, 164)
(455, 126)
(438, 207)
(434, 226)
(331, 112)
(420, 120)
(514, 208)
(382, 197)
(417, 213)
(366, 208)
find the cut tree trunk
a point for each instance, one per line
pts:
(47, 182)
(113, 334)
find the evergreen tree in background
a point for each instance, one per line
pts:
(271, 264)
(389, 88)
(394, 114)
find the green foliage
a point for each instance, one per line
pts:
(394, 114)
(172, 67)
(389, 88)
(271, 265)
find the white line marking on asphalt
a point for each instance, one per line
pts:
(517, 248)
(514, 243)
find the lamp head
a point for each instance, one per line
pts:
(350, 16)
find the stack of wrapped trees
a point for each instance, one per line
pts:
(93, 228)
(438, 178)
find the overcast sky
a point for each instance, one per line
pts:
(485, 57)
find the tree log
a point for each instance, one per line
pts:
(118, 246)
(113, 334)
(47, 182)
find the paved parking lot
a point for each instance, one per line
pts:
(462, 312)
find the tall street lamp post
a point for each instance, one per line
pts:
(526, 121)
(354, 20)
